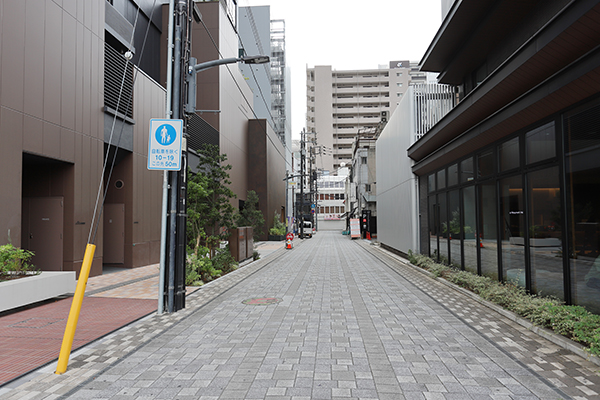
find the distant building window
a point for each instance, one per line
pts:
(367, 187)
(399, 84)
(363, 160)
(398, 73)
(399, 94)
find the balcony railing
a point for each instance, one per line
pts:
(432, 103)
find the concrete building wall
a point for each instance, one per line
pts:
(255, 36)
(266, 170)
(223, 89)
(342, 104)
(396, 184)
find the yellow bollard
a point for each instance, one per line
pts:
(67, 344)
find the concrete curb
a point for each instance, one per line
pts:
(547, 334)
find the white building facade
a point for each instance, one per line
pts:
(331, 201)
(397, 187)
(344, 104)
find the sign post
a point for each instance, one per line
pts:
(164, 153)
(164, 144)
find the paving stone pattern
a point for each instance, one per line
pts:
(353, 323)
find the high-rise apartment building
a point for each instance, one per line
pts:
(342, 104)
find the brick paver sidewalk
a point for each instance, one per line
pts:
(330, 319)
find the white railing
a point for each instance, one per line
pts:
(431, 103)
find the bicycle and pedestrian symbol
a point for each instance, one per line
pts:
(164, 147)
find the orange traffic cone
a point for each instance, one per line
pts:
(481, 241)
(288, 244)
(368, 235)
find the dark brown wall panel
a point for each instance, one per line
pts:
(10, 160)
(34, 67)
(52, 60)
(13, 54)
(32, 134)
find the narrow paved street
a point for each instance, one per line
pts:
(332, 318)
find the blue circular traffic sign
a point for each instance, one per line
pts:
(165, 135)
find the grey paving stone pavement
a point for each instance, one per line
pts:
(353, 322)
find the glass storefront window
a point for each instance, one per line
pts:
(441, 179)
(512, 207)
(466, 170)
(453, 175)
(545, 245)
(485, 164)
(431, 183)
(454, 228)
(583, 172)
(445, 233)
(540, 143)
(433, 218)
(469, 239)
(509, 154)
(488, 230)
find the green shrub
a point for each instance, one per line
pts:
(279, 228)
(200, 270)
(255, 255)
(224, 261)
(14, 260)
(573, 322)
(587, 332)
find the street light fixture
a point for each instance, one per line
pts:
(194, 68)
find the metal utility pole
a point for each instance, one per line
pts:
(302, 161)
(176, 207)
(184, 69)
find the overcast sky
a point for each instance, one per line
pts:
(350, 34)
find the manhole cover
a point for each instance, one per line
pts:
(262, 301)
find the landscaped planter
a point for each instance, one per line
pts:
(32, 289)
(276, 238)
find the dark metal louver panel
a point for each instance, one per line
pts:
(114, 67)
(200, 132)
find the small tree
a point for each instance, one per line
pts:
(250, 215)
(209, 206)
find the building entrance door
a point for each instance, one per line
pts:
(114, 233)
(43, 222)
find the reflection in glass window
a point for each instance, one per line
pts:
(444, 234)
(487, 230)
(453, 175)
(485, 164)
(441, 179)
(545, 232)
(513, 230)
(469, 239)
(583, 172)
(433, 219)
(431, 183)
(454, 228)
(509, 154)
(540, 143)
(466, 170)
